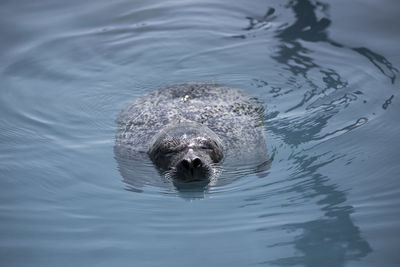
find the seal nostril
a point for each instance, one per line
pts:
(197, 163)
(185, 163)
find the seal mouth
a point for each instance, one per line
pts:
(189, 175)
(209, 173)
(192, 175)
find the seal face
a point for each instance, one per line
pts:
(188, 150)
(188, 129)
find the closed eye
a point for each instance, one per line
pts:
(169, 152)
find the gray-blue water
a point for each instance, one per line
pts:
(327, 73)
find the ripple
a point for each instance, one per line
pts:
(331, 109)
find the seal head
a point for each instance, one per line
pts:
(187, 151)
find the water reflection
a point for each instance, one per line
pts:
(333, 239)
(137, 170)
(324, 92)
(296, 57)
(308, 27)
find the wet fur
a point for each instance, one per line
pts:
(234, 119)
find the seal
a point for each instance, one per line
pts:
(189, 129)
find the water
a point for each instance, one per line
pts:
(327, 73)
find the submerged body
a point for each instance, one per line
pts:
(189, 129)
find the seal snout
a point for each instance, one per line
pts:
(192, 167)
(191, 164)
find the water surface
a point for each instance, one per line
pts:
(327, 73)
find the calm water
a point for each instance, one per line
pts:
(327, 73)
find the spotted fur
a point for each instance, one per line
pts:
(236, 118)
